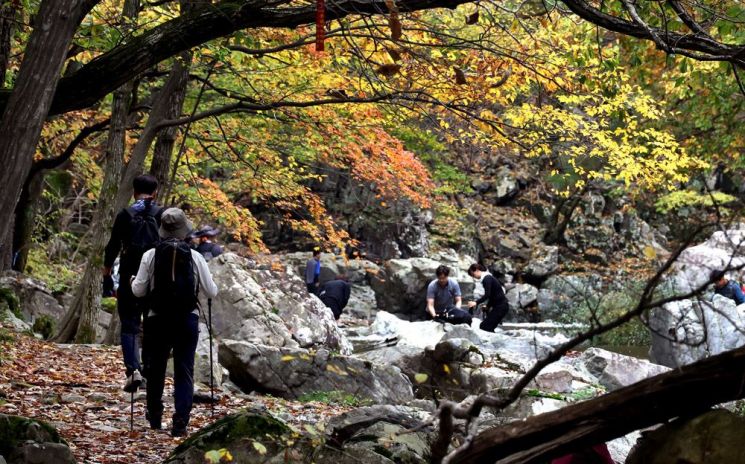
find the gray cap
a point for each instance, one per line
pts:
(173, 224)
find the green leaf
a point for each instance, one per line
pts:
(261, 449)
(420, 378)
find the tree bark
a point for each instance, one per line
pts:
(81, 320)
(161, 107)
(163, 151)
(22, 120)
(8, 18)
(682, 392)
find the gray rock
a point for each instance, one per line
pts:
(202, 358)
(270, 308)
(620, 448)
(29, 441)
(689, 330)
(405, 357)
(401, 285)
(544, 261)
(11, 320)
(521, 296)
(292, 372)
(72, 398)
(506, 187)
(615, 370)
(34, 296)
(42, 453)
(724, 249)
(561, 295)
(713, 437)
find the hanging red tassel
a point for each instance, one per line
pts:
(320, 26)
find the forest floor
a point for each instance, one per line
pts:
(78, 390)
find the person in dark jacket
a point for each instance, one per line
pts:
(728, 288)
(313, 272)
(496, 302)
(206, 246)
(135, 231)
(335, 294)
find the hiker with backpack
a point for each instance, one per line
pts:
(205, 244)
(135, 231)
(335, 294)
(172, 276)
(444, 299)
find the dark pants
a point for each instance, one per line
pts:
(494, 318)
(311, 288)
(130, 309)
(164, 334)
(454, 316)
(332, 304)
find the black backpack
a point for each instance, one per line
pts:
(174, 286)
(144, 227)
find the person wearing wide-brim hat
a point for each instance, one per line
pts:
(172, 275)
(206, 246)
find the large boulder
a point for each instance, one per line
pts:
(713, 437)
(28, 441)
(269, 307)
(561, 295)
(689, 330)
(33, 297)
(724, 249)
(615, 370)
(376, 435)
(293, 372)
(401, 284)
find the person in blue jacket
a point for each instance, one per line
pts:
(728, 288)
(313, 272)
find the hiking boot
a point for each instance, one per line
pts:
(133, 382)
(143, 384)
(179, 428)
(154, 422)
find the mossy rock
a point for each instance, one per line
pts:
(44, 325)
(17, 433)
(9, 300)
(237, 433)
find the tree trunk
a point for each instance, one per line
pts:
(682, 392)
(81, 320)
(25, 217)
(8, 18)
(29, 103)
(158, 114)
(163, 152)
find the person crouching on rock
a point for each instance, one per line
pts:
(335, 294)
(727, 288)
(496, 302)
(444, 299)
(172, 275)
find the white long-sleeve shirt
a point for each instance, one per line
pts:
(144, 278)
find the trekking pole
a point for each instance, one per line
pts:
(212, 372)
